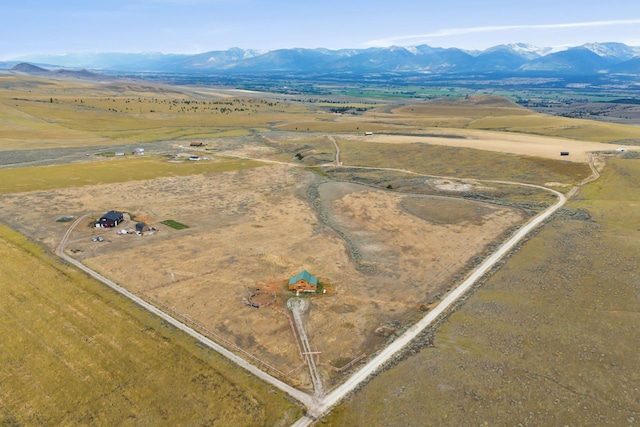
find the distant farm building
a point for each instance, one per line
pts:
(368, 133)
(564, 153)
(138, 152)
(303, 282)
(110, 219)
(196, 144)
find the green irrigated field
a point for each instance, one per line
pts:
(75, 353)
(551, 339)
(110, 171)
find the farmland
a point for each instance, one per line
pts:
(550, 339)
(408, 213)
(76, 353)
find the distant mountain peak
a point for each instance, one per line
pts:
(618, 51)
(25, 67)
(525, 50)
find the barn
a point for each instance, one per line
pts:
(110, 219)
(303, 282)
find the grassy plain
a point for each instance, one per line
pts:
(586, 130)
(110, 171)
(497, 114)
(253, 227)
(461, 162)
(75, 353)
(40, 113)
(551, 339)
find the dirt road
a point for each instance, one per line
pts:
(302, 397)
(319, 406)
(385, 355)
(337, 160)
(298, 306)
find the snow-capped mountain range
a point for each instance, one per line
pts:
(586, 59)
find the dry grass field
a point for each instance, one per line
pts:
(386, 244)
(253, 229)
(75, 353)
(41, 113)
(111, 171)
(551, 339)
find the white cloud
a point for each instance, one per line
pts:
(448, 32)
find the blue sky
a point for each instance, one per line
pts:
(194, 26)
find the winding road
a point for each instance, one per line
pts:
(320, 403)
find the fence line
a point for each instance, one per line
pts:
(210, 333)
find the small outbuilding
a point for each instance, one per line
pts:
(142, 227)
(303, 282)
(110, 219)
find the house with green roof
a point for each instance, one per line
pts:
(303, 282)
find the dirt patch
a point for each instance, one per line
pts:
(499, 142)
(449, 185)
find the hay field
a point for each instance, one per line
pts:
(76, 353)
(551, 339)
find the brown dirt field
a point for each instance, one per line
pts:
(253, 229)
(499, 142)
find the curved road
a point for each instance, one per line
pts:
(318, 407)
(387, 353)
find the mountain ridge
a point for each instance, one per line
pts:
(590, 58)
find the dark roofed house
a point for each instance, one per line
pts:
(303, 282)
(110, 219)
